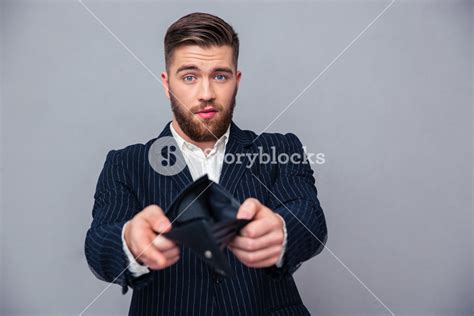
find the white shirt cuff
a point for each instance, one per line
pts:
(134, 267)
(279, 263)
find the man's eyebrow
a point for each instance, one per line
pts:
(224, 69)
(187, 67)
(194, 67)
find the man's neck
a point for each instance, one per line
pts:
(203, 145)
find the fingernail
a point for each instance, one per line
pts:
(162, 227)
(243, 215)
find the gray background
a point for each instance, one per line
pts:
(393, 117)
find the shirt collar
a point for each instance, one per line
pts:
(182, 142)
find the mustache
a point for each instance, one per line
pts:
(204, 105)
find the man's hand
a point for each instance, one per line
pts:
(261, 241)
(157, 252)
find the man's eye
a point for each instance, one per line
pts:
(220, 77)
(188, 78)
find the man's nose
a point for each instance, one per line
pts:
(206, 92)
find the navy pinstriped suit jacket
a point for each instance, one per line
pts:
(127, 184)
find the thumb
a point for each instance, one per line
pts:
(248, 209)
(157, 218)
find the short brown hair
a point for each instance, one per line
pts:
(200, 29)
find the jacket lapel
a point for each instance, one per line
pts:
(232, 169)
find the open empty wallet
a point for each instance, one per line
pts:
(204, 219)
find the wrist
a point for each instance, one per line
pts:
(126, 232)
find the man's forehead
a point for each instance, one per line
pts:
(203, 58)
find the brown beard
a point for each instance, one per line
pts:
(203, 130)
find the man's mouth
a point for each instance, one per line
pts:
(207, 112)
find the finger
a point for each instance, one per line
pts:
(171, 253)
(152, 258)
(171, 261)
(249, 209)
(265, 263)
(256, 228)
(162, 243)
(251, 257)
(253, 244)
(157, 260)
(166, 263)
(146, 252)
(265, 220)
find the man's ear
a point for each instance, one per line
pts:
(238, 75)
(165, 83)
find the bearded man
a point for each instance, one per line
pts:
(125, 245)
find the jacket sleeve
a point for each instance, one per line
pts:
(294, 196)
(114, 204)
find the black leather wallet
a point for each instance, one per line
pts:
(203, 218)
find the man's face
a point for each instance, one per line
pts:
(202, 85)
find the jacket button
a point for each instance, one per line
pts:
(217, 278)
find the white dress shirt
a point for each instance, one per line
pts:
(198, 164)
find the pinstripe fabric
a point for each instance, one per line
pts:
(127, 184)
